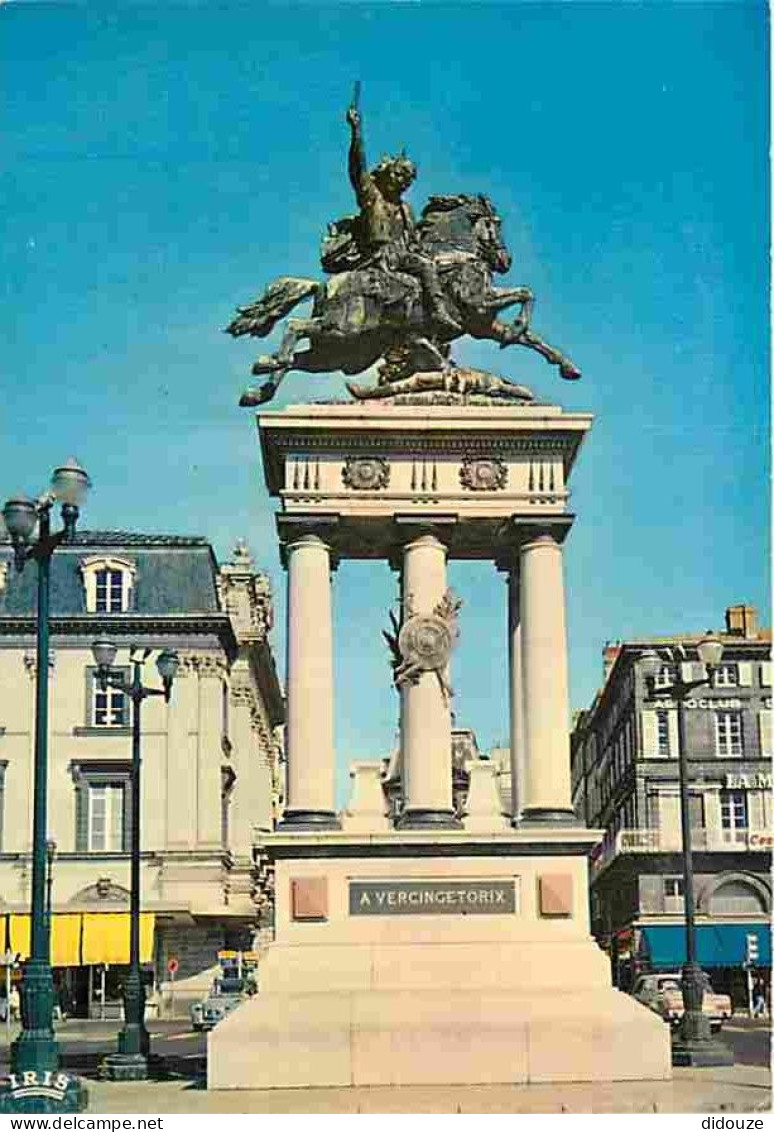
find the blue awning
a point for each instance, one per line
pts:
(717, 945)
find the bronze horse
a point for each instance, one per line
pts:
(360, 315)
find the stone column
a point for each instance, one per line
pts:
(516, 692)
(547, 793)
(310, 798)
(425, 712)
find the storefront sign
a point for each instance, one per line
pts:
(423, 898)
(732, 703)
(703, 704)
(760, 780)
(761, 841)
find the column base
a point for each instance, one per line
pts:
(539, 815)
(124, 1067)
(700, 1054)
(308, 819)
(428, 819)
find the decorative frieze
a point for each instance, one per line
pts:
(479, 473)
(424, 474)
(365, 473)
(303, 473)
(206, 665)
(241, 695)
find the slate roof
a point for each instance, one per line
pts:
(175, 575)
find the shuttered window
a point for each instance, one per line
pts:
(106, 817)
(659, 734)
(102, 809)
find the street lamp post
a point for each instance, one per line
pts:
(130, 1063)
(50, 854)
(693, 1044)
(35, 1051)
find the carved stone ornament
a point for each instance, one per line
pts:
(365, 473)
(425, 642)
(483, 473)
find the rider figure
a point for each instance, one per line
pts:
(387, 222)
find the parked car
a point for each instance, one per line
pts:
(662, 993)
(225, 996)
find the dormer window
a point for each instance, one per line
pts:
(108, 583)
(110, 591)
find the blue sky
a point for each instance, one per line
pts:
(163, 162)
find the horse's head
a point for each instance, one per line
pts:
(465, 223)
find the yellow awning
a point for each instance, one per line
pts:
(65, 937)
(106, 937)
(20, 934)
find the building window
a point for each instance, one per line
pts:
(665, 676)
(106, 817)
(662, 723)
(726, 676)
(108, 583)
(109, 597)
(673, 887)
(728, 734)
(102, 807)
(108, 708)
(733, 809)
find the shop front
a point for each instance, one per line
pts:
(89, 957)
(722, 951)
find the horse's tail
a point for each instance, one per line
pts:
(259, 318)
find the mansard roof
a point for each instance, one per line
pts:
(173, 575)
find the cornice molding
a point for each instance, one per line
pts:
(128, 624)
(282, 445)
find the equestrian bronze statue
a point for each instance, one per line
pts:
(398, 291)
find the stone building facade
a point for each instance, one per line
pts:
(210, 758)
(625, 782)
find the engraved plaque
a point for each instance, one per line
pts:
(432, 897)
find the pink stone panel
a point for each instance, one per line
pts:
(555, 894)
(309, 898)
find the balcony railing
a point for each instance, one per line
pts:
(669, 841)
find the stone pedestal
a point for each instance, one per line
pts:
(418, 958)
(427, 954)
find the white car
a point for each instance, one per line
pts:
(663, 994)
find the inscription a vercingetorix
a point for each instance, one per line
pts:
(422, 898)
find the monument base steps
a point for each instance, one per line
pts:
(364, 987)
(430, 1037)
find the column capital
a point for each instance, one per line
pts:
(295, 528)
(409, 528)
(520, 530)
